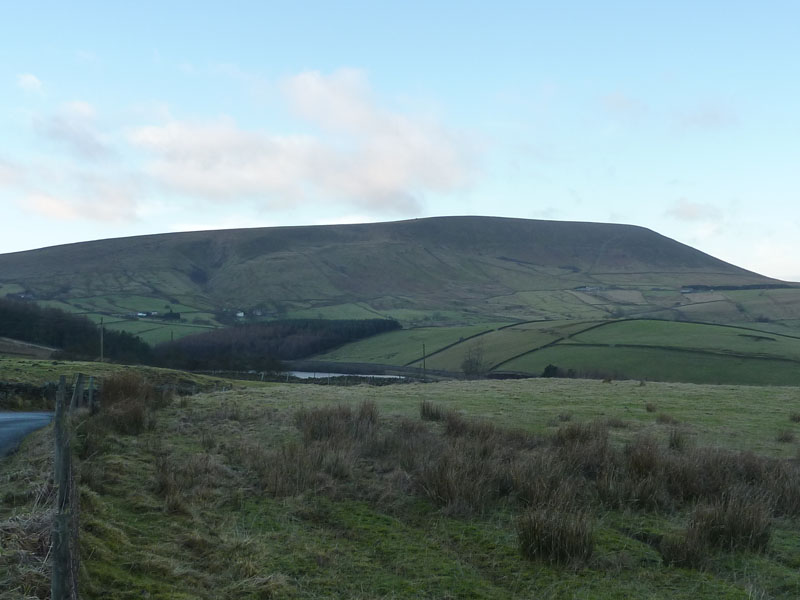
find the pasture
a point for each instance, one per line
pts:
(321, 491)
(628, 349)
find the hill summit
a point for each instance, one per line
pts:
(469, 265)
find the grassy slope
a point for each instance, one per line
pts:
(467, 268)
(39, 372)
(224, 539)
(404, 346)
(466, 274)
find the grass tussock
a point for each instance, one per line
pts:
(429, 411)
(555, 535)
(470, 467)
(129, 403)
(666, 419)
(740, 520)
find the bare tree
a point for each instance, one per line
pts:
(474, 363)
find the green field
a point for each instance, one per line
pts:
(404, 347)
(499, 345)
(189, 507)
(629, 349)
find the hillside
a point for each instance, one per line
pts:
(443, 271)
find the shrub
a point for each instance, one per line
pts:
(130, 417)
(794, 417)
(650, 407)
(555, 535)
(786, 436)
(124, 386)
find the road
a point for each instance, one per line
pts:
(15, 426)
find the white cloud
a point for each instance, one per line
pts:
(9, 173)
(74, 127)
(345, 220)
(774, 258)
(220, 160)
(228, 222)
(685, 210)
(51, 207)
(29, 82)
(363, 154)
(85, 196)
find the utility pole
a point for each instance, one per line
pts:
(101, 339)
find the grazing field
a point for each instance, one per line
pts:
(628, 349)
(497, 346)
(404, 347)
(541, 488)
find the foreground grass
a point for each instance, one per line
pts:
(248, 494)
(39, 372)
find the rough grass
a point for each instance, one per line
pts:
(26, 499)
(302, 492)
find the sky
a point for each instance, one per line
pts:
(130, 118)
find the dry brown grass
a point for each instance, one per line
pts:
(470, 467)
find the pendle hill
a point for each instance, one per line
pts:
(506, 288)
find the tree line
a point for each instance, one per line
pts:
(75, 336)
(261, 346)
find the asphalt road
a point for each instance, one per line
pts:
(15, 426)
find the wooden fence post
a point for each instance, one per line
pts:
(90, 399)
(62, 584)
(77, 394)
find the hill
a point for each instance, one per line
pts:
(436, 271)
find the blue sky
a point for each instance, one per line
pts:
(121, 119)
